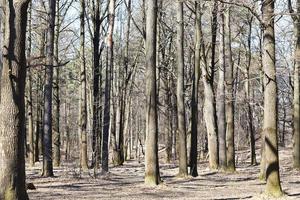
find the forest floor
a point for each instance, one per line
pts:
(127, 182)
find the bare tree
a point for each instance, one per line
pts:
(152, 176)
(12, 105)
(180, 93)
(47, 154)
(273, 186)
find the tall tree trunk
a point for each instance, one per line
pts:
(248, 99)
(47, 155)
(194, 102)
(108, 80)
(273, 186)
(229, 82)
(83, 97)
(209, 99)
(296, 101)
(30, 100)
(96, 86)
(180, 93)
(56, 130)
(12, 105)
(220, 100)
(152, 176)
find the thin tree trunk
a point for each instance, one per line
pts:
(30, 100)
(220, 100)
(296, 101)
(273, 186)
(108, 80)
(152, 176)
(209, 99)
(194, 102)
(56, 130)
(96, 141)
(83, 96)
(47, 154)
(248, 99)
(12, 105)
(180, 93)
(229, 82)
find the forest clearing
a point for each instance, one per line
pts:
(126, 182)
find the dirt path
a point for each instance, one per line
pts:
(126, 182)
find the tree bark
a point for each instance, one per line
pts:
(12, 105)
(30, 100)
(273, 186)
(83, 96)
(296, 101)
(229, 82)
(97, 79)
(47, 154)
(220, 100)
(194, 102)
(180, 93)
(209, 99)
(56, 129)
(152, 176)
(108, 80)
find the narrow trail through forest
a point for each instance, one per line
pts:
(127, 182)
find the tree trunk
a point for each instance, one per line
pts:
(152, 176)
(12, 105)
(97, 79)
(209, 99)
(229, 82)
(194, 102)
(30, 109)
(83, 97)
(180, 93)
(56, 130)
(220, 100)
(108, 80)
(296, 101)
(47, 154)
(248, 99)
(273, 186)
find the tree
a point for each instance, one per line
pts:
(152, 176)
(180, 93)
(194, 102)
(229, 82)
(47, 154)
(273, 186)
(108, 81)
(220, 100)
(97, 79)
(12, 105)
(209, 99)
(296, 101)
(83, 98)
(56, 83)
(29, 101)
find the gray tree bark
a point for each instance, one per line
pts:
(180, 93)
(47, 140)
(152, 176)
(273, 186)
(12, 105)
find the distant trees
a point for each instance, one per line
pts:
(139, 90)
(12, 105)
